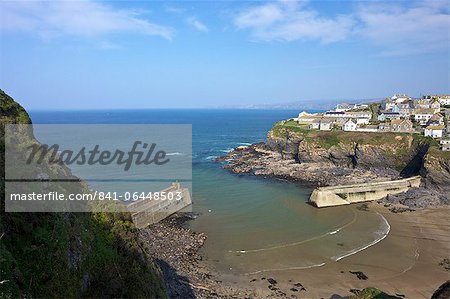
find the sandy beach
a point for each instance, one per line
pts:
(405, 263)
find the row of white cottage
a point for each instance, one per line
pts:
(359, 121)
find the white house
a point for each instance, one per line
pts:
(304, 113)
(356, 114)
(350, 125)
(315, 124)
(445, 145)
(387, 104)
(325, 125)
(436, 119)
(434, 131)
(422, 103)
(422, 116)
(305, 117)
(361, 117)
(388, 115)
(405, 109)
(344, 107)
(334, 114)
(362, 121)
(402, 125)
(444, 100)
(436, 105)
(384, 126)
(399, 98)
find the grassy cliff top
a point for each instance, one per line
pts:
(11, 111)
(327, 139)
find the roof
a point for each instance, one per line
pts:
(389, 113)
(396, 96)
(409, 103)
(331, 118)
(326, 121)
(304, 114)
(424, 111)
(309, 116)
(435, 127)
(359, 113)
(334, 112)
(399, 121)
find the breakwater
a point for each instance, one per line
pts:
(146, 212)
(347, 194)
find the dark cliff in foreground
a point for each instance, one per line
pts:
(67, 255)
(338, 157)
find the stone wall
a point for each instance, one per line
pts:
(146, 212)
(347, 194)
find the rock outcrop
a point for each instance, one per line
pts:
(443, 292)
(331, 158)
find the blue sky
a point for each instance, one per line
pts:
(155, 54)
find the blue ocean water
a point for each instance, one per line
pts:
(214, 131)
(253, 224)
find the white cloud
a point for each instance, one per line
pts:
(51, 19)
(292, 20)
(195, 23)
(396, 27)
(423, 27)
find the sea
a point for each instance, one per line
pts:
(253, 224)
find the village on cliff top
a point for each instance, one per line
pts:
(401, 113)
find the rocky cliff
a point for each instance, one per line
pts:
(69, 255)
(336, 157)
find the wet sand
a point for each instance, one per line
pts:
(405, 263)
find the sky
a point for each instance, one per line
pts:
(157, 54)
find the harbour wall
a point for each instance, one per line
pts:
(146, 212)
(347, 194)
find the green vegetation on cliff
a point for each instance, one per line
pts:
(11, 111)
(327, 139)
(68, 255)
(371, 149)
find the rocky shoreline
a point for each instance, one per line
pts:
(175, 249)
(261, 159)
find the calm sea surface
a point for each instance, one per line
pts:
(253, 224)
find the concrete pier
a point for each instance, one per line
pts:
(347, 194)
(146, 212)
